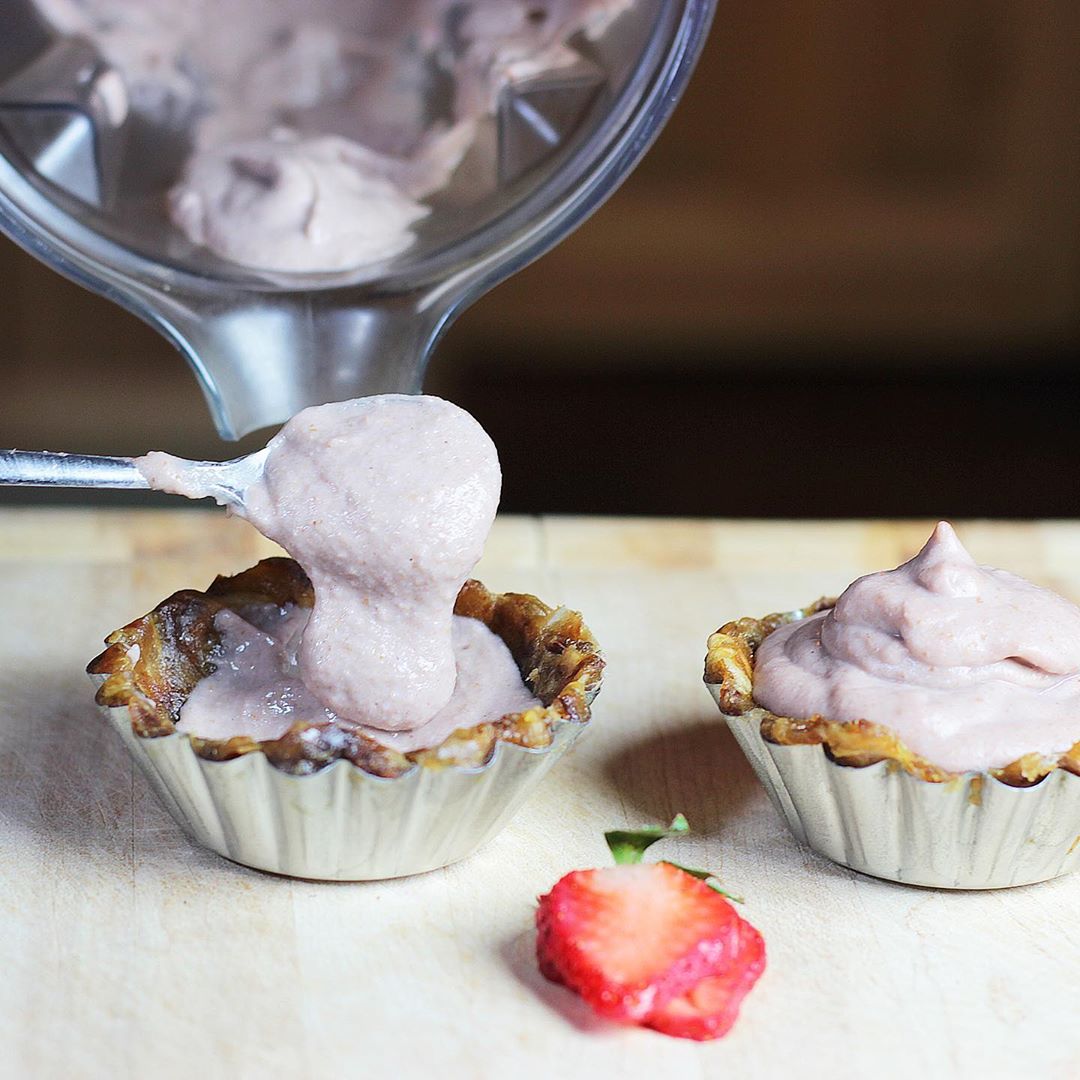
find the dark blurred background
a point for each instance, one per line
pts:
(845, 282)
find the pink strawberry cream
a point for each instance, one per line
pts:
(386, 503)
(970, 666)
(321, 130)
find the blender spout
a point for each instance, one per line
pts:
(261, 362)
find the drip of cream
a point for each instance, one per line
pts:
(971, 667)
(386, 503)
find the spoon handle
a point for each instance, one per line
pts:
(43, 468)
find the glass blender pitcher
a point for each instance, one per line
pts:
(84, 178)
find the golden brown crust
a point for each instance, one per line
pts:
(152, 664)
(729, 666)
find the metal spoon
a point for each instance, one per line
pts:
(223, 481)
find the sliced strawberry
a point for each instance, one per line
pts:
(633, 938)
(657, 945)
(709, 1009)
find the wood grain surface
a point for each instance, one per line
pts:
(127, 952)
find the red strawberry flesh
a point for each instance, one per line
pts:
(709, 1009)
(632, 939)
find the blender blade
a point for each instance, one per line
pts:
(64, 115)
(536, 115)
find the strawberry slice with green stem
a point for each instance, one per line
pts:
(652, 944)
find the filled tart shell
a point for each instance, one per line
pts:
(729, 673)
(151, 666)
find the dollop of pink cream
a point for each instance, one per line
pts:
(386, 503)
(971, 666)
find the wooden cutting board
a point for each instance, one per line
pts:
(127, 952)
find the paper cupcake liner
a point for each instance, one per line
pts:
(972, 832)
(341, 823)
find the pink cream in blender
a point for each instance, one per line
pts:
(317, 136)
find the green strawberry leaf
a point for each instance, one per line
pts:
(627, 847)
(709, 878)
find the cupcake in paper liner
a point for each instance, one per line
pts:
(924, 728)
(326, 800)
